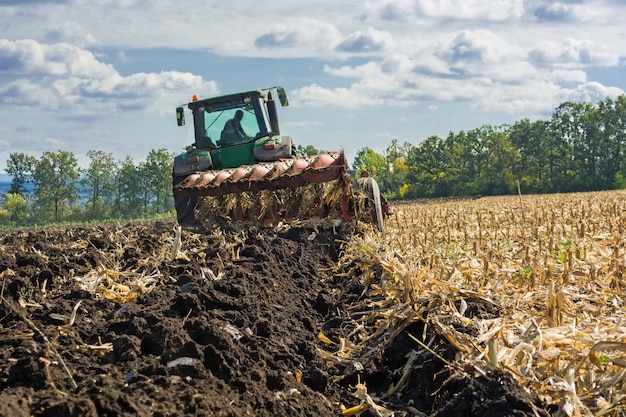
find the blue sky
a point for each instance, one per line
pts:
(107, 74)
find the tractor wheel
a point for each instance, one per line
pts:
(378, 207)
(185, 206)
(370, 187)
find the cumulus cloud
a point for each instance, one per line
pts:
(588, 92)
(29, 57)
(300, 33)
(370, 40)
(397, 63)
(562, 76)
(555, 12)
(81, 83)
(471, 52)
(564, 11)
(491, 10)
(401, 10)
(317, 96)
(135, 92)
(449, 10)
(25, 93)
(572, 53)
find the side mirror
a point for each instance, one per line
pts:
(282, 96)
(180, 116)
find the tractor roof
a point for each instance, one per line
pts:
(227, 100)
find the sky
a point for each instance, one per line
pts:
(80, 75)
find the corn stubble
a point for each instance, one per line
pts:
(552, 265)
(322, 201)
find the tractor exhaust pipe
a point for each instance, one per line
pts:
(273, 114)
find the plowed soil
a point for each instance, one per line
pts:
(230, 331)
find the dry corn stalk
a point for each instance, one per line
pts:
(554, 271)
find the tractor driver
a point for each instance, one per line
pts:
(233, 132)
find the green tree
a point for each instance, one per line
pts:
(531, 140)
(16, 207)
(20, 166)
(307, 150)
(367, 159)
(613, 116)
(495, 174)
(397, 169)
(157, 172)
(563, 143)
(55, 177)
(98, 178)
(427, 169)
(464, 155)
(128, 190)
(375, 164)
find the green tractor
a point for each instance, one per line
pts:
(241, 167)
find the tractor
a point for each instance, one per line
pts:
(240, 167)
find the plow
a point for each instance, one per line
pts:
(241, 168)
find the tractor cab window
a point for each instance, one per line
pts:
(226, 124)
(237, 126)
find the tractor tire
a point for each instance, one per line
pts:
(378, 207)
(185, 207)
(371, 188)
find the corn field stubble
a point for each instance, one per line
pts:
(552, 265)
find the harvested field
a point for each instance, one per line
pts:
(485, 307)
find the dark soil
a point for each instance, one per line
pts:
(243, 345)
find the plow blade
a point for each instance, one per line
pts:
(282, 174)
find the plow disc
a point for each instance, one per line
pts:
(281, 174)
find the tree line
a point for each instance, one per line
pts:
(580, 148)
(54, 189)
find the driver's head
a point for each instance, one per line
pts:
(238, 115)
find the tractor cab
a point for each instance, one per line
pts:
(237, 129)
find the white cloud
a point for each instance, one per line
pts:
(84, 84)
(397, 63)
(303, 35)
(475, 49)
(568, 76)
(368, 41)
(572, 53)
(399, 10)
(563, 11)
(22, 92)
(316, 96)
(494, 10)
(588, 92)
(29, 57)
